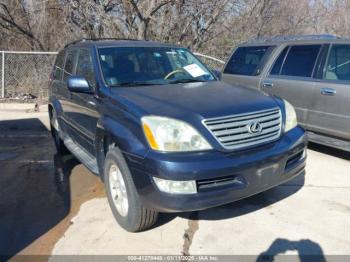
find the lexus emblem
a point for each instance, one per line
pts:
(254, 128)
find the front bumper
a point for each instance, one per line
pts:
(221, 177)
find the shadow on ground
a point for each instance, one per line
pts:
(34, 196)
(40, 199)
(308, 251)
(22, 125)
(330, 151)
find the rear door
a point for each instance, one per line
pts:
(291, 77)
(331, 112)
(245, 65)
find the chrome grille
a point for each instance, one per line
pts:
(236, 132)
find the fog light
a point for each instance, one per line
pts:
(176, 187)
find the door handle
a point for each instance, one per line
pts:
(92, 103)
(268, 84)
(328, 91)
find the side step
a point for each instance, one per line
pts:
(329, 141)
(84, 157)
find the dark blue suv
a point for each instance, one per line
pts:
(163, 133)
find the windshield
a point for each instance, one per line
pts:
(122, 66)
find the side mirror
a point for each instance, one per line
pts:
(79, 85)
(217, 73)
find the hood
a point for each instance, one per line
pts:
(207, 99)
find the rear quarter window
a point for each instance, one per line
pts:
(247, 60)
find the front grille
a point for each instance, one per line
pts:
(234, 132)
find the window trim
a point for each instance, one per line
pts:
(332, 81)
(262, 64)
(284, 60)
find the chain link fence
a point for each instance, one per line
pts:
(212, 62)
(25, 75)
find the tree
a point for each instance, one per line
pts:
(15, 20)
(145, 12)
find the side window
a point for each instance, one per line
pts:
(276, 69)
(300, 60)
(69, 66)
(246, 60)
(59, 66)
(338, 65)
(85, 67)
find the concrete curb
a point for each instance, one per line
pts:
(17, 106)
(28, 107)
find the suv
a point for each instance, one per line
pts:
(311, 72)
(163, 133)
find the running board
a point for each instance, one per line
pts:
(85, 158)
(329, 141)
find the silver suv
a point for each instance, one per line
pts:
(311, 72)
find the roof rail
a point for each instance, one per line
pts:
(281, 38)
(97, 39)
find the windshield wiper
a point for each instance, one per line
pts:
(186, 80)
(134, 83)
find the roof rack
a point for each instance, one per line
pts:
(82, 40)
(281, 38)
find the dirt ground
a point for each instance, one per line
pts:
(51, 204)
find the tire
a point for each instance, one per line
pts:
(130, 215)
(59, 144)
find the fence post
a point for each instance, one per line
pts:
(3, 74)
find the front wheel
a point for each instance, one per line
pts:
(122, 195)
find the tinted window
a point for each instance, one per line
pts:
(277, 66)
(300, 60)
(59, 66)
(69, 66)
(151, 65)
(246, 60)
(85, 66)
(338, 66)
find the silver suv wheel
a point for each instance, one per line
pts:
(118, 190)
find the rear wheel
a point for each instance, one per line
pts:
(123, 197)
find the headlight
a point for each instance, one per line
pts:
(291, 116)
(166, 134)
(176, 187)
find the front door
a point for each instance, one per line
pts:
(245, 65)
(83, 111)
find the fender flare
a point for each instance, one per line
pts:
(114, 132)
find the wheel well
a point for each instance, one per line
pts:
(107, 141)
